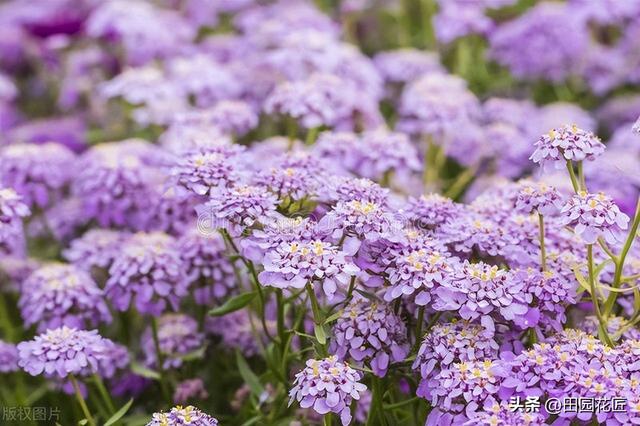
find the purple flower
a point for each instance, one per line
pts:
(435, 105)
(64, 351)
(593, 216)
(502, 414)
(538, 197)
(566, 143)
(549, 293)
(370, 333)
(207, 266)
(614, 325)
(205, 169)
(179, 416)
(417, 271)
(178, 336)
(546, 42)
(38, 173)
(95, 249)
(233, 117)
(478, 290)
(373, 154)
(448, 344)
(462, 389)
(457, 19)
(148, 269)
(12, 210)
(240, 330)
(342, 188)
(322, 100)
(8, 357)
(14, 270)
(294, 264)
(431, 210)
(116, 183)
(293, 176)
(238, 208)
(116, 359)
(188, 390)
(58, 295)
(328, 386)
(405, 65)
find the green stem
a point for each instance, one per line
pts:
(317, 315)
(327, 420)
(312, 135)
(621, 259)
(581, 179)
(280, 319)
(543, 253)
(5, 319)
(604, 335)
(419, 327)
(104, 394)
(572, 176)
(160, 358)
(376, 413)
(81, 401)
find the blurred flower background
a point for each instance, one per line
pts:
(288, 213)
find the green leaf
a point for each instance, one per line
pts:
(368, 295)
(636, 299)
(249, 376)
(233, 304)
(321, 335)
(83, 422)
(143, 371)
(118, 415)
(252, 421)
(581, 279)
(333, 317)
(194, 355)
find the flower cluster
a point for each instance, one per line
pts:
(327, 385)
(593, 216)
(177, 336)
(182, 416)
(566, 143)
(370, 333)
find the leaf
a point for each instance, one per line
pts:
(83, 422)
(249, 376)
(636, 299)
(118, 415)
(368, 295)
(333, 317)
(233, 304)
(194, 355)
(252, 421)
(143, 371)
(321, 335)
(581, 279)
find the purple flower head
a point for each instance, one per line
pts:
(471, 232)
(64, 351)
(140, 28)
(294, 264)
(405, 65)
(356, 220)
(327, 386)
(566, 143)
(321, 100)
(188, 390)
(8, 357)
(457, 19)
(593, 216)
(148, 269)
(38, 173)
(233, 117)
(67, 131)
(58, 294)
(238, 208)
(12, 210)
(478, 291)
(14, 270)
(183, 416)
(370, 333)
(431, 210)
(435, 104)
(116, 182)
(374, 154)
(448, 344)
(416, 271)
(463, 389)
(546, 42)
(200, 76)
(207, 266)
(116, 359)
(342, 188)
(95, 249)
(292, 175)
(538, 197)
(192, 131)
(636, 126)
(549, 293)
(178, 336)
(205, 169)
(239, 330)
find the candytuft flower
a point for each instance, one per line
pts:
(566, 143)
(370, 333)
(538, 197)
(183, 416)
(327, 386)
(593, 216)
(8, 357)
(178, 335)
